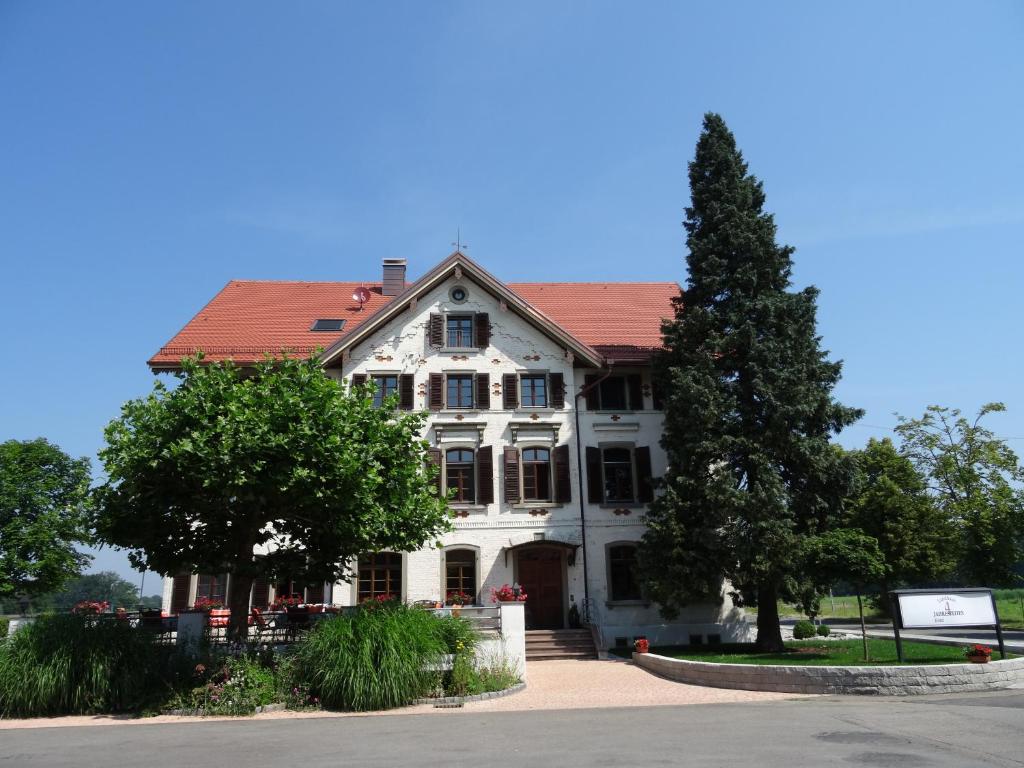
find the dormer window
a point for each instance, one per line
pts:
(328, 324)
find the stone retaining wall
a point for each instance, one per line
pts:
(885, 681)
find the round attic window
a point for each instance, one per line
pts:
(458, 294)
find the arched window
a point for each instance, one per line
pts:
(459, 472)
(622, 579)
(380, 575)
(536, 474)
(460, 573)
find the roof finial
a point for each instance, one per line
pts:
(459, 245)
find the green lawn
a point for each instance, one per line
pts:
(825, 652)
(1009, 604)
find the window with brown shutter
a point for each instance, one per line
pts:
(636, 392)
(460, 475)
(556, 384)
(435, 395)
(657, 395)
(592, 397)
(315, 593)
(485, 474)
(435, 330)
(180, 592)
(643, 474)
(510, 391)
(594, 492)
(536, 471)
(483, 330)
(511, 461)
(405, 392)
(434, 458)
(260, 592)
(563, 485)
(483, 391)
(358, 380)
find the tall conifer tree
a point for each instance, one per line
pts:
(749, 412)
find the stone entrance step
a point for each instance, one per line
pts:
(550, 644)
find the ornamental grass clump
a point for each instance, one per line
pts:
(379, 657)
(76, 664)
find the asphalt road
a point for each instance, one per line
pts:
(956, 731)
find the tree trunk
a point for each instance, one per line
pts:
(863, 627)
(769, 634)
(238, 602)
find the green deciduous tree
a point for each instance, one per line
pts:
(975, 479)
(278, 457)
(749, 412)
(893, 506)
(103, 586)
(44, 506)
(842, 554)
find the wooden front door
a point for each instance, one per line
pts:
(540, 575)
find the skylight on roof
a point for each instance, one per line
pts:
(327, 324)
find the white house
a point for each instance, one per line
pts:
(541, 417)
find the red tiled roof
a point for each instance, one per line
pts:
(617, 319)
(251, 318)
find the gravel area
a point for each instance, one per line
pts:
(566, 684)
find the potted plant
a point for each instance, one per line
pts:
(507, 593)
(640, 645)
(456, 599)
(90, 607)
(978, 654)
(207, 604)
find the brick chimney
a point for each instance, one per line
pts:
(394, 277)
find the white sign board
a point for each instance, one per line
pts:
(946, 609)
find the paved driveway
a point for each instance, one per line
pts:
(589, 684)
(550, 685)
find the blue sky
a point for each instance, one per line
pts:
(151, 152)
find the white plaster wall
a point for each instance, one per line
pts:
(518, 347)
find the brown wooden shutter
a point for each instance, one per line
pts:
(594, 494)
(636, 392)
(482, 329)
(484, 475)
(557, 384)
(512, 475)
(483, 391)
(405, 392)
(180, 592)
(563, 484)
(593, 401)
(643, 474)
(260, 592)
(657, 394)
(435, 396)
(434, 457)
(315, 593)
(510, 391)
(435, 330)
(358, 380)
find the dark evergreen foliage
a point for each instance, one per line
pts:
(749, 413)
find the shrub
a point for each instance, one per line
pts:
(823, 630)
(234, 685)
(803, 630)
(457, 634)
(4, 623)
(74, 664)
(376, 658)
